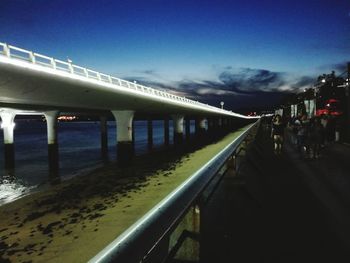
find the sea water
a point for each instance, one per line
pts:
(79, 152)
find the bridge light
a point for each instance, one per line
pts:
(222, 105)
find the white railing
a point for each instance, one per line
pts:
(140, 240)
(45, 61)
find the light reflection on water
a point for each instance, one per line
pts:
(12, 188)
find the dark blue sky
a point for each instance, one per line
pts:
(237, 51)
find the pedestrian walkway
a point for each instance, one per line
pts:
(281, 208)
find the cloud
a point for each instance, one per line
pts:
(247, 80)
(237, 87)
(204, 88)
(337, 67)
(302, 83)
(213, 91)
(151, 72)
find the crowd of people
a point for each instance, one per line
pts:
(308, 135)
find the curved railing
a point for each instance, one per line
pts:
(68, 67)
(138, 241)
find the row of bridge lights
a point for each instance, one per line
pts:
(70, 63)
(135, 82)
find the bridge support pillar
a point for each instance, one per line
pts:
(8, 125)
(230, 124)
(178, 128)
(225, 124)
(104, 137)
(200, 126)
(133, 136)
(234, 124)
(188, 128)
(125, 149)
(210, 124)
(52, 142)
(220, 128)
(220, 122)
(213, 126)
(196, 126)
(149, 133)
(166, 131)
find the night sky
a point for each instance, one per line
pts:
(244, 53)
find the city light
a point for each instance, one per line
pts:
(66, 118)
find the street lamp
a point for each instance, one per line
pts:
(222, 105)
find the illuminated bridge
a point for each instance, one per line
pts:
(31, 83)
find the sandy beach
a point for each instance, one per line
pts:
(74, 220)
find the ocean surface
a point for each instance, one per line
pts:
(79, 152)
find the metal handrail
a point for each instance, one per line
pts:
(137, 241)
(63, 66)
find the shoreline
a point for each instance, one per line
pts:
(79, 148)
(46, 185)
(98, 206)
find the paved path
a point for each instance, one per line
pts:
(281, 209)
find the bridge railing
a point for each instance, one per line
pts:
(141, 241)
(64, 66)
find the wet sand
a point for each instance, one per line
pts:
(73, 221)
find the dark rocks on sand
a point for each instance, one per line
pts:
(94, 216)
(14, 245)
(48, 229)
(10, 252)
(73, 221)
(29, 247)
(4, 260)
(75, 215)
(3, 246)
(34, 216)
(100, 207)
(68, 232)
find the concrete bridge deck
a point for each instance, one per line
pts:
(281, 208)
